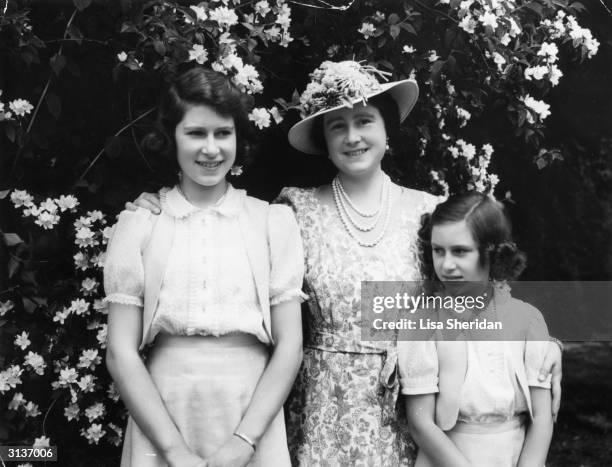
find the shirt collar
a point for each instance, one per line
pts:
(177, 205)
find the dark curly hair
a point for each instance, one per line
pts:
(198, 86)
(490, 227)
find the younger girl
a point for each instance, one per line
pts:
(491, 409)
(214, 284)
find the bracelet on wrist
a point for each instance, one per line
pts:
(246, 439)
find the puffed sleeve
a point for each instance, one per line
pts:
(286, 255)
(123, 266)
(536, 346)
(418, 367)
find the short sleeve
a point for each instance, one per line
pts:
(418, 367)
(123, 266)
(286, 255)
(536, 346)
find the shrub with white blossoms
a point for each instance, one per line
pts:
(80, 391)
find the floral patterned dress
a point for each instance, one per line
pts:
(342, 410)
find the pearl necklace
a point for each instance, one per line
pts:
(385, 207)
(342, 198)
(345, 196)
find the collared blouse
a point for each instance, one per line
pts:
(208, 286)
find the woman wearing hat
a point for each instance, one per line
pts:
(359, 227)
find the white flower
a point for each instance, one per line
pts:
(61, 316)
(22, 340)
(101, 336)
(10, 378)
(107, 233)
(488, 149)
(42, 442)
(95, 411)
(468, 24)
(89, 285)
(200, 12)
(433, 56)
(467, 150)
(98, 260)
(488, 19)
(367, 30)
(85, 237)
(67, 376)
(285, 40)
(79, 306)
(82, 222)
(5, 307)
(247, 79)
(408, 49)
(554, 74)
(112, 392)
(20, 107)
(541, 108)
(261, 117)
(87, 383)
(89, 359)
(262, 8)
(81, 261)
(72, 412)
(36, 361)
(17, 401)
(21, 198)
(31, 410)
(284, 17)
(232, 60)
(515, 29)
(48, 205)
(224, 16)
(549, 50)
(198, 53)
(272, 33)
(96, 215)
(505, 39)
(454, 151)
(66, 203)
(276, 115)
(499, 60)
(47, 220)
(122, 56)
(536, 72)
(463, 115)
(94, 433)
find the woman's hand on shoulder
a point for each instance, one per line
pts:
(234, 453)
(148, 201)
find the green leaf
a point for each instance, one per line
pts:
(54, 104)
(82, 4)
(4, 193)
(159, 47)
(394, 31)
(57, 62)
(75, 33)
(409, 28)
(393, 18)
(10, 133)
(12, 239)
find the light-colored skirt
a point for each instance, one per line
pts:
(486, 444)
(206, 384)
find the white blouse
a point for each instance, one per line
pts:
(208, 287)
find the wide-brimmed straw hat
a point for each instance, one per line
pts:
(343, 84)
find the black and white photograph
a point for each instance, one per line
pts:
(308, 233)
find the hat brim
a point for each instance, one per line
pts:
(404, 93)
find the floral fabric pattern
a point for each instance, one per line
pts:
(342, 410)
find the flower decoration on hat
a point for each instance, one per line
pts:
(339, 83)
